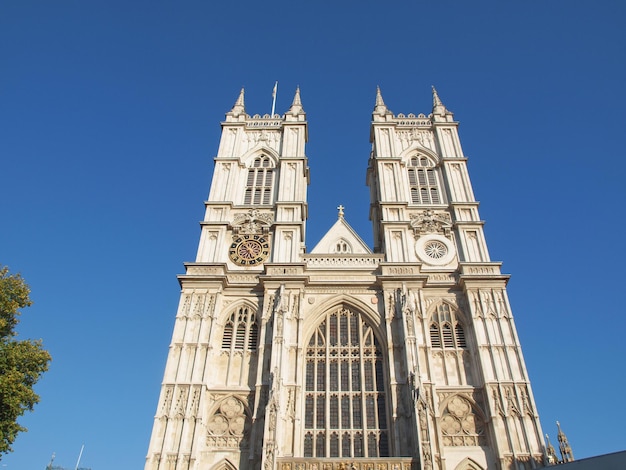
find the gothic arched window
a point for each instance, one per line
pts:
(424, 181)
(345, 401)
(445, 329)
(241, 331)
(260, 182)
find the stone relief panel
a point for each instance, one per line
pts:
(408, 137)
(497, 401)
(194, 402)
(485, 302)
(460, 424)
(166, 403)
(180, 405)
(390, 463)
(267, 138)
(184, 308)
(198, 307)
(229, 426)
(251, 222)
(430, 221)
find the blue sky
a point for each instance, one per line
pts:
(109, 120)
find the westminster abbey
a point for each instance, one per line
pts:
(399, 356)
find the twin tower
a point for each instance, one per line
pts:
(344, 357)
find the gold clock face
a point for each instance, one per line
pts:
(249, 250)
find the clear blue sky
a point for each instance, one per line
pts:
(109, 120)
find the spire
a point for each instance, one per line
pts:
(296, 105)
(438, 106)
(380, 107)
(239, 107)
(552, 458)
(566, 451)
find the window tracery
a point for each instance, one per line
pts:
(446, 331)
(241, 331)
(229, 426)
(260, 182)
(345, 400)
(461, 425)
(424, 181)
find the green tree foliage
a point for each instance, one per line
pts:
(21, 361)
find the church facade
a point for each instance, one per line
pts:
(400, 357)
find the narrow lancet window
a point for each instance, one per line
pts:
(241, 331)
(260, 182)
(446, 330)
(424, 181)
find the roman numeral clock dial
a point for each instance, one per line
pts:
(249, 250)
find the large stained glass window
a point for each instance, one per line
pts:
(345, 407)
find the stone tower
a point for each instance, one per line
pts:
(398, 358)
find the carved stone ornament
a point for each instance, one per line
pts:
(434, 249)
(253, 221)
(422, 136)
(229, 426)
(429, 221)
(460, 425)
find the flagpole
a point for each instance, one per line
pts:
(79, 456)
(274, 98)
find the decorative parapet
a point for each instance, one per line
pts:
(442, 278)
(400, 270)
(412, 120)
(343, 262)
(385, 463)
(480, 269)
(283, 270)
(264, 121)
(242, 278)
(193, 269)
(201, 272)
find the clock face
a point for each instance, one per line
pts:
(249, 250)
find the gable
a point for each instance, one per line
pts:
(341, 239)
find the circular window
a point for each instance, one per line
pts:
(434, 249)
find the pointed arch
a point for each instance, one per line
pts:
(373, 317)
(240, 328)
(468, 464)
(258, 150)
(229, 423)
(447, 326)
(224, 464)
(424, 181)
(415, 149)
(424, 176)
(262, 167)
(462, 422)
(345, 392)
(259, 182)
